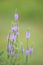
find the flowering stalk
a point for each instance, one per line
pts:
(27, 44)
(16, 16)
(31, 51)
(27, 51)
(27, 54)
(26, 57)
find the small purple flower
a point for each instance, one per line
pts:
(14, 28)
(16, 16)
(30, 50)
(13, 37)
(22, 50)
(27, 35)
(17, 27)
(27, 52)
(10, 47)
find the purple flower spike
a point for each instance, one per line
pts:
(30, 50)
(16, 16)
(17, 27)
(14, 37)
(27, 52)
(22, 50)
(10, 47)
(13, 28)
(27, 35)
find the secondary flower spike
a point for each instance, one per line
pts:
(27, 35)
(30, 50)
(16, 16)
(27, 52)
(13, 37)
(14, 28)
(10, 47)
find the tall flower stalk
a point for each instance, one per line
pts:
(27, 51)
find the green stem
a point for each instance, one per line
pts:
(26, 60)
(27, 56)
(27, 43)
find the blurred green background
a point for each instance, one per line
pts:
(30, 18)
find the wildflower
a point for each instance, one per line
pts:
(27, 35)
(13, 37)
(31, 50)
(10, 47)
(14, 28)
(27, 52)
(16, 16)
(17, 27)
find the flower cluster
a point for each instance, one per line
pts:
(16, 16)
(28, 51)
(12, 39)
